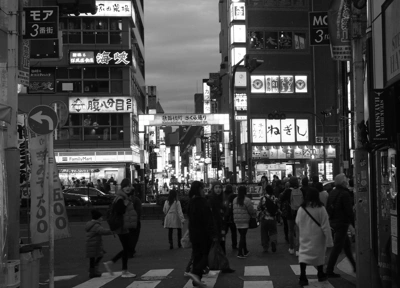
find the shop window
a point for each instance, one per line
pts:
(271, 40)
(75, 73)
(75, 133)
(89, 72)
(74, 37)
(74, 120)
(285, 40)
(88, 24)
(89, 37)
(116, 87)
(115, 38)
(115, 24)
(116, 119)
(101, 24)
(96, 86)
(74, 23)
(62, 73)
(117, 133)
(116, 73)
(65, 37)
(63, 23)
(102, 37)
(102, 73)
(256, 40)
(103, 119)
(299, 40)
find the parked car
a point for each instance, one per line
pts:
(78, 196)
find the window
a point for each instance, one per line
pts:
(282, 4)
(277, 40)
(90, 80)
(101, 126)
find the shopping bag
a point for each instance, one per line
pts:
(216, 258)
(185, 241)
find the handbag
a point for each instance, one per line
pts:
(185, 240)
(163, 220)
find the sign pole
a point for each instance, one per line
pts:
(50, 162)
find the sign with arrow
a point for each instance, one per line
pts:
(42, 120)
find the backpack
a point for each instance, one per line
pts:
(296, 199)
(114, 221)
(270, 206)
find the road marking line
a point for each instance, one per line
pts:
(209, 281)
(158, 273)
(99, 282)
(62, 278)
(256, 271)
(316, 284)
(257, 284)
(310, 270)
(346, 267)
(144, 284)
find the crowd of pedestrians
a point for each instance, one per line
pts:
(313, 219)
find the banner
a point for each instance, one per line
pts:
(339, 14)
(39, 224)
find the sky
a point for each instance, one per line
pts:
(181, 49)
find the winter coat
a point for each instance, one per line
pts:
(242, 214)
(124, 206)
(174, 216)
(266, 208)
(201, 224)
(323, 197)
(343, 210)
(313, 239)
(216, 204)
(94, 241)
(286, 196)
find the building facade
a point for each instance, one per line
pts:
(96, 84)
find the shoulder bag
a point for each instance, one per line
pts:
(316, 222)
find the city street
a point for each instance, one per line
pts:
(157, 266)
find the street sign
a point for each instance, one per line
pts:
(319, 34)
(40, 22)
(42, 120)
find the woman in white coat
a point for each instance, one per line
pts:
(174, 218)
(315, 235)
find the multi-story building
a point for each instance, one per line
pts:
(291, 99)
(97, 87)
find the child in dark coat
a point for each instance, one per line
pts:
(94, 242)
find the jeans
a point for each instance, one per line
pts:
(340, 242)
(285, 227)
(170, 232)
(125, 241)
(293, 230)
(269, 233)
(200, 257)
(232, 227)
(242, 242)
(94, 261)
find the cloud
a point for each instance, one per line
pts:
(181, 49)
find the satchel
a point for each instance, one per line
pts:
(185, 240)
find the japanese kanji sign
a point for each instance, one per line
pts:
(117, 104)
(279, 131)
(101, 57)
(40, 23)
(293, 152)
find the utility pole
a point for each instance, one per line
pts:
(361, 158)
(8, 94)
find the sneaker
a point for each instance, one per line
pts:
(108, 266)
(240, 256)
(297, 253)
(273, 247)
(303, 281)
(291, 251)
(246, 253)
(332, 275)
(127, 274)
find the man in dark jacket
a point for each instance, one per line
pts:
(137, 205)
(341, 218)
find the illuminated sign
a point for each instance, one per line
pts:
(103, 156)
(275, 84)
(279, 131)
(101, 57)
(238, 34)
(237, 54)
(238, 11)
(111, 9)
(152, 135)
(116, 104)
(240, 79)
(293, 152)
(240, 102)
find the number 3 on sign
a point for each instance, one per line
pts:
(36, 29)
(320, 35)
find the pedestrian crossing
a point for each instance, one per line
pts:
(153, 278)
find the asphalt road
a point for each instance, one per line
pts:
(157, 266)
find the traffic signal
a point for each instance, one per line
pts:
(252, 64)
(215, 85)
(276, 115)
(77, 6)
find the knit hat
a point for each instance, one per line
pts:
(96, 214)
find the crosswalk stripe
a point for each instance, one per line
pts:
(100, 281)
(209, 280)
(156, 274)
(314, 283)
(310, 270)
(258, 284)
(346, 267)
(144, 284)
(256, 271)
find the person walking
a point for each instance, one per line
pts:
(242, 211)
(94, 242)
(292, 198)
(174, 218)
(201, 232)
(268, 209)
(323, 194)
(228, 218)
(135, 232)
(340, 217)
(284, 208)
(216, 203)
(315, 235)
(124, 207)
(263, 183)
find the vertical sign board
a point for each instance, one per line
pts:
(319, 33)
(40, 23)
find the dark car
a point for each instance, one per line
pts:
(78, 196)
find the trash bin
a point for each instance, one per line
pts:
(25, 254)
(36, 255)
(13, 273)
